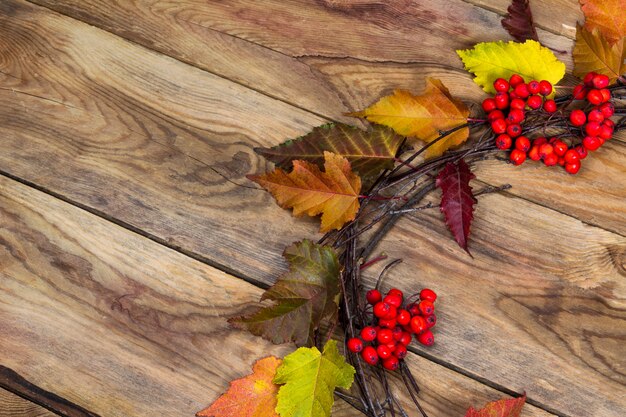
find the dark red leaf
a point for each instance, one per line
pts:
(519, 21)
(457, 200)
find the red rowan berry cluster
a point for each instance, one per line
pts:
(393, 327)
(516, 101)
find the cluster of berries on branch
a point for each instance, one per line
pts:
(393, 326)
(580, 130)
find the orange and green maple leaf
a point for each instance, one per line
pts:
(511, 407)
(608, 16)
(423, 117)
(593, 52)
(250, 396)
(333, 193)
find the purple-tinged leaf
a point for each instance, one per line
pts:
(519, 21)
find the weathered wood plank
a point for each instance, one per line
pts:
(126, 327)
(13, 406)
(133, 140)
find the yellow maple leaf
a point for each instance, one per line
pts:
(250, 396)
(333, 193)
(423, 117)
(608, 16)
(492, 60)
(592, 52)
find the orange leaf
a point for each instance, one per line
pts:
(503, 408)
(423, 117)
(592, 52)
(608, 16)
(333, 193)
(250, 396)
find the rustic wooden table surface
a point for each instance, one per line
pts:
(125, 244)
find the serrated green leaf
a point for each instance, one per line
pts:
(492, 60)
(310, 378)
(368, 151)
(304, 296)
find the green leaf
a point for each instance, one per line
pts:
(310, 378)
(368, 151)
(492, 60)
(304, 296)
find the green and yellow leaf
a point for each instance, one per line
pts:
(492, 60)
(334, 193)
(307, 294)
(592, 52)
(423, 117)
(310, 377)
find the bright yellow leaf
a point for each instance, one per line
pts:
(593, 52)
(492, 60)
(423, 117)
(306, 189)
(608, 16)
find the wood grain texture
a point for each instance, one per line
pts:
(13, 406)
(139, 137)
(126, 327)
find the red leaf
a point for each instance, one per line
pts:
(519, 21)
(457, 200)
(503, 408)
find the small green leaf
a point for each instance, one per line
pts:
(492, 60)
(310, 378)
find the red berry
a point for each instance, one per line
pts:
(609, 123)
(582, 151)
(397, 333)
(405, 339)
(600, 81)
(426, 307)
(373, 296)
(595, 115)
(572, 167)
(534, 102)
(595, 97)
(522, 143)
(502, 100)
(384, 336)
(533, 87)
(495, 115)
(368, 333)
(400, 351)
(396, 292)
(391, 363)
(607, 110)
(498, 126)
(489, 105)
(355, 345)
(431, 321)
(549, 106)
(602, 140)
(521, 90)
(383, 351)
(393, 312)
(381, 309)
(517, 157)
(413, 309)
(545, 150)
(501, 85)
(515, 116)
(559, 148)
(515, 80)
(514, 130)
(606, 132)
(577, 117)
(545, 88)
(561, 161)
(571, 156)
(393, 300)
(579, 92)
(503, 141)
(606, 94)
(369, 355)
(404, 317)
(388, 323)
(551, 159)
(517, 104)
(533, 153)
(588, 80)
(428, 294)
(418, 324)
(591, 143)
(426, 338)
(592, 128)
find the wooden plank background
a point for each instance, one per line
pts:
(127, 130)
